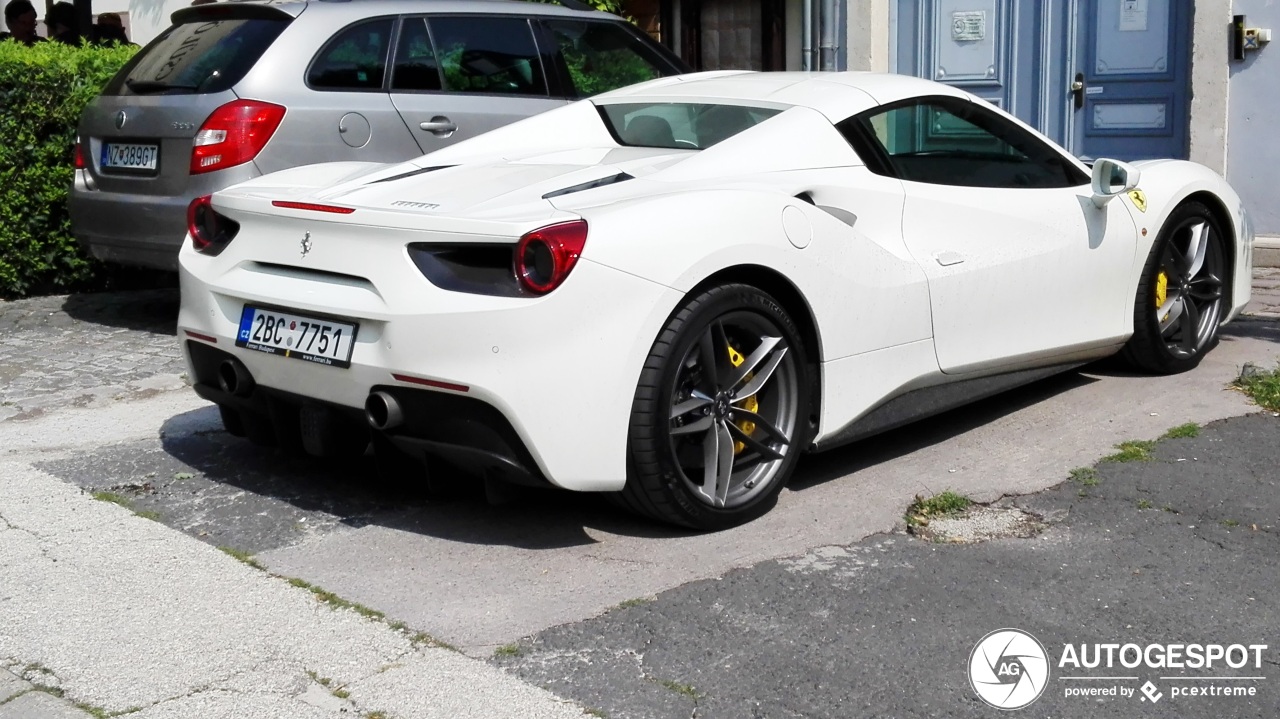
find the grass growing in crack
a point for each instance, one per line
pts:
(1229, 523)
(1087, 476)
(634, 602)
(507, 650)
(337, 602)
(684, 689)
(111, 497)
(147, 514)
(322, 681)
(1136, 450)
(377, 715)
(924, 509)
(1145, 504)
(1262, 387)
(595, 713)
(243, 556)
(340, 693)
(1190, 429)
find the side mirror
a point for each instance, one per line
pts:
(1112, 178)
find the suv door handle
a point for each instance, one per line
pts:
(440, 126)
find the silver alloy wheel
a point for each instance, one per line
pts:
(734, 410)
(1189, 288)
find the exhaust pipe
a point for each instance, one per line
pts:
(234, 378)
(383, 411)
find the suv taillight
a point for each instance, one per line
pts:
(234, 134)
(546, 256)
(80, 161)
(210, 231)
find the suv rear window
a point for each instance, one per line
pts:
(204, 56)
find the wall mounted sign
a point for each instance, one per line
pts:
(969, 26)
(1133, 15)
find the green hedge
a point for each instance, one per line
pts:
(43, 89)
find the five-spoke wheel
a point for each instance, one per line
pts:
(721, 412)
(1179, 305)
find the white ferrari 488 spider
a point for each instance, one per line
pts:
(671, 291)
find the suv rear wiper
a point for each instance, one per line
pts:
(143, 87)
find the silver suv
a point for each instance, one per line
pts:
(236, 90)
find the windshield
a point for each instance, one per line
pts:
(679, 125)
(197, 57)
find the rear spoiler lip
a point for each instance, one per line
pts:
(237, 11)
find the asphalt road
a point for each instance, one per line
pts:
(821, 609)
(1181, 549)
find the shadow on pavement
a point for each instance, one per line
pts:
(352, 494)
(1254, 328)
(152, 310)
(819, 468)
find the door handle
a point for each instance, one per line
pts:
(1077, 90)
(440, 126)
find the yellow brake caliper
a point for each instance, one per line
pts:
(1162, 291)
(749, 404)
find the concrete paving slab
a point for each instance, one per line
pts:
(479, 577)
(10, 686)
(122, 613)
(39, 705)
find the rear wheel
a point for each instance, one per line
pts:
(1179, 305)
(721, 412)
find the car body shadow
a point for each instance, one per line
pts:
(352, 491)
(818, 469)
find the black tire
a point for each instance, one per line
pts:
(668, 456)
(1191, 330)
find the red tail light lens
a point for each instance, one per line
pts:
(80, 160)
(234, 134)
(210, 232)
(546, 256)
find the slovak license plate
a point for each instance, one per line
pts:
(296, 336)
(127, 156)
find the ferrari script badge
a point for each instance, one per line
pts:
(1139, 199)
(306, 243)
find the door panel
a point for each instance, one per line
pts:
(1017, 275)
(456, 77)
(1134, 68)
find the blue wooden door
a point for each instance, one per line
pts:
(1131, 91)
(1130, 58)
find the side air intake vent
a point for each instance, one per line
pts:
(610, 180)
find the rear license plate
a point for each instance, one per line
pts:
(296, 336)
(128, 156)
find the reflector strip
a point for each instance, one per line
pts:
(431, 383)
(206, 338)
(313, 207)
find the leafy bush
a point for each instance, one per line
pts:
(43, 89)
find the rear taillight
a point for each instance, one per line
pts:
(80, 160)
(234, 134)
(546, 256)
(210, 231)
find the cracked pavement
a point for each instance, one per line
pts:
(884, 627)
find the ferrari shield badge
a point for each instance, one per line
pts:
(1139, 199)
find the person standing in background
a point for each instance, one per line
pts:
(20, 18)
(60, 23)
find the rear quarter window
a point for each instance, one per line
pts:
(203, 56)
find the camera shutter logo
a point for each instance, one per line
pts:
(1009, 669)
